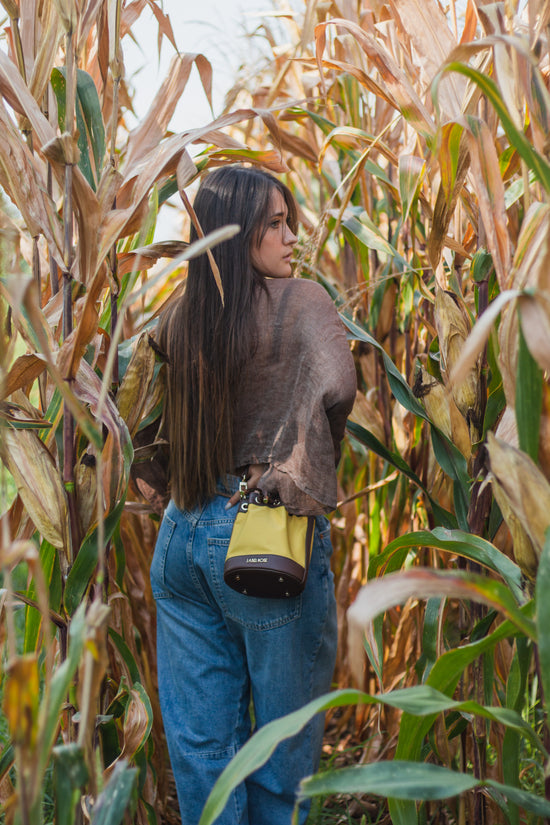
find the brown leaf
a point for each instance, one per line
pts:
(165, 27)
(87, 19)
(147, 256)
(62, 150)
(117, 447)
(453, 329)
(23, 372)
(150, 131)
(86, 491)
(524, 486)
(397, 81)
(366, 413)
(22, 181)
(74, 346)
(136, 724)
(38, 482)
(489, 187)
(84, 198)
(470, 23)
(47, 43)
(426, 25)
(186, 170)
(448, 193)
(535, 324)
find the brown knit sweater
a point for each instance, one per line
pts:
(295, 395)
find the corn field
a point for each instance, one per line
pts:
(415, 139)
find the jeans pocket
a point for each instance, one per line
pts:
(248, 611)
(158, 565)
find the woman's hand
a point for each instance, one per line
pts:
(254, 474)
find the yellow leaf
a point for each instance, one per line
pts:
(21, 699)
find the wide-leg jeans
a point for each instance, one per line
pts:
(217, 650)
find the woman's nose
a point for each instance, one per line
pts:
(288, 236)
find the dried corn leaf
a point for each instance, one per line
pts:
(535, 324)
(489, 187)
(74, 346)
(138, 720)
(454, 161)
(117, 451)
(524, 487)
(424, 23)
(21, 180)
(524, 552)
(148, 134)
(398, 83)
(68, 14)
(366, 414)
(47, 50)
(144, 257)
(92, 668)
(38, 482)
(23, 372)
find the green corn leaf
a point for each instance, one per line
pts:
(126, 655)
(60, 683)
(89, 121)
(421, 700)
(518, 139)
(413, 781)
(543, 617)
(112, 803)
(395, 779)
(367, 438)
(69, 778)
(86, 560)
(529, 383)
(411, 174)
(49, 560)
(444, 676)
(457, 542)
(367, 233)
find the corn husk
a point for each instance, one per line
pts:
(442, 410)
(524, 552)
(523, 495)
(453, 328)
(366, 414)
(132, 395)
(38, 482)
(86, 491)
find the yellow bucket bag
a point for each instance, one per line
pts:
(269, 550)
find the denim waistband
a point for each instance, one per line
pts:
(227, 485)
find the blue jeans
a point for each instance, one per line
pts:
(218, 649)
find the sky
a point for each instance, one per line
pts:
(214, 28)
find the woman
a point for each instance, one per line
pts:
(260, 384)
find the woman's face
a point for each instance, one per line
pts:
(273, 255)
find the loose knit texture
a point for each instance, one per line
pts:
(295, 395)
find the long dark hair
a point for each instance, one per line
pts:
(207, 342)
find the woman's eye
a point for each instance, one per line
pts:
(275, 224)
